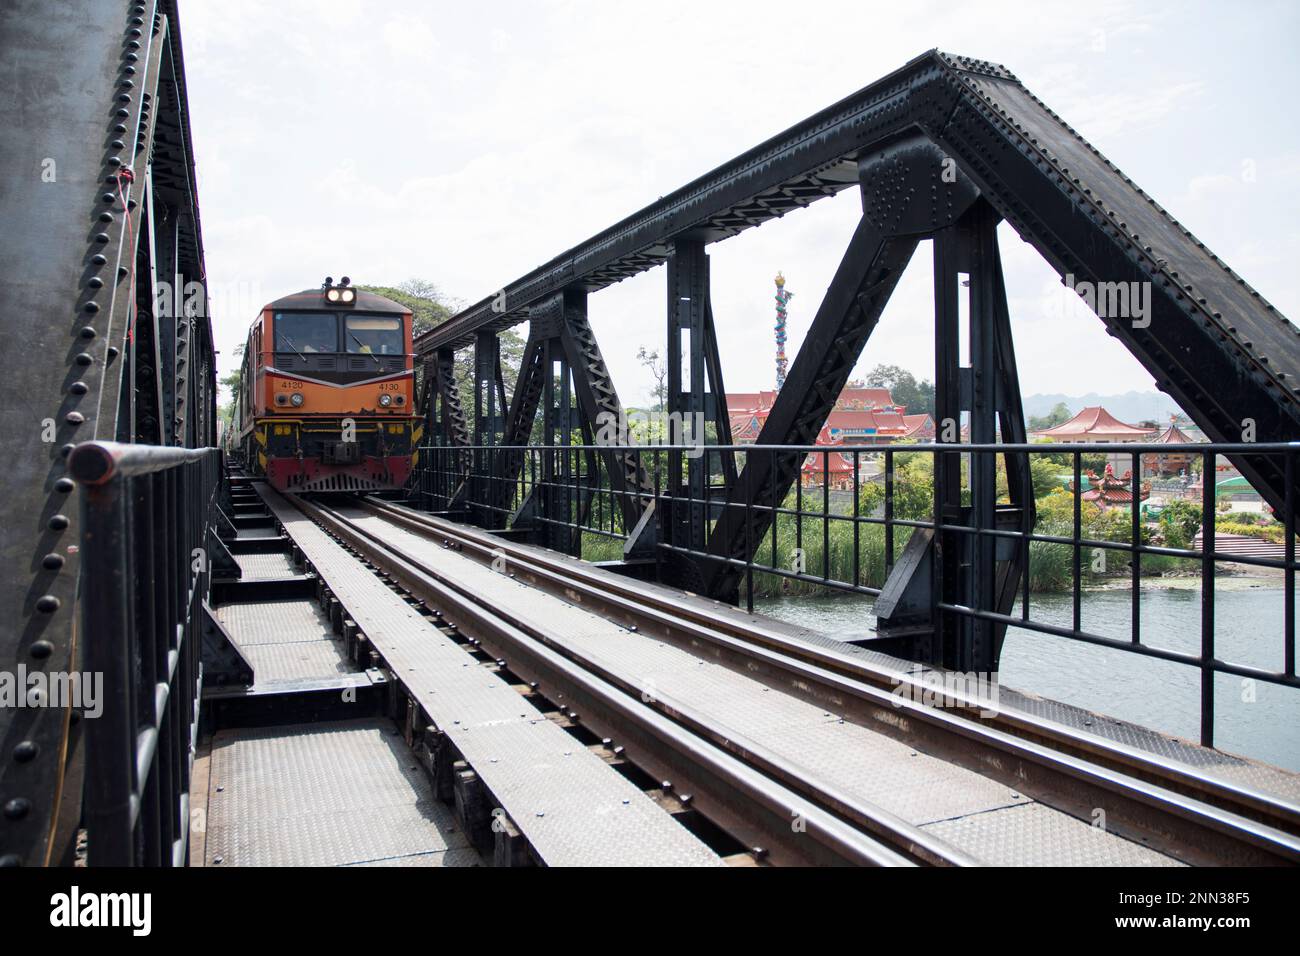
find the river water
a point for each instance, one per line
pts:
(1142, 690)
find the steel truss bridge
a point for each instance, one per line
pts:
(445, 669)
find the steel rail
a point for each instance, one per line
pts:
(1237, 813)
(846, 829)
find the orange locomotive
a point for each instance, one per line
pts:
(327, 400)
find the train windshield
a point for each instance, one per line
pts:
(306, 332)
(373, 334)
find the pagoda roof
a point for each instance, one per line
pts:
(1173, 435)
(1093, 421)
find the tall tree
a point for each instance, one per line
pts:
(654, 363)
(1059, 413)
(916, 396)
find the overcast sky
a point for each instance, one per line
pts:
(466, 143)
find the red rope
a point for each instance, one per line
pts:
(126, 175)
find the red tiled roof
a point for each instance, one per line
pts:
(744, 425)
(917, 424)
(1112, 490)
(742, 401)
(1173, 435)
(849, 399)
(866, 397)
(1094, 421)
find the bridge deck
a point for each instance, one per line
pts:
(979, 815)
(333, 794)
(570, 805)
(285, 640)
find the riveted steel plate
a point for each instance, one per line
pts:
(590, 813)
(1035, 835)
(325, 795)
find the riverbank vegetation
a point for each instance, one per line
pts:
(826, 543)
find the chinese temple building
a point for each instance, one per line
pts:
(1162, 464)
(861, 415)
(1109, 491)
(1095, 424)
(831, 467)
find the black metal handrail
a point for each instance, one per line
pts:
(146, 511)
(561, 487)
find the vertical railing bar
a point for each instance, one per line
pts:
(826, 516)
(889, 511)
(1076, 570)
(1208, 536)
(1135, 555)
(749, 538)
(1289, 529)
(857, 526)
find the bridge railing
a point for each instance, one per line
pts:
(848, 517)
(145, 513)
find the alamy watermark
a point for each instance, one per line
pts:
(1115, 300)
(56, 689)
(934, 688)
(678, 428)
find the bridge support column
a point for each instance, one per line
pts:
(489, 403)
(976, 571)
(696, 399)
(555, 503)
(446, 431)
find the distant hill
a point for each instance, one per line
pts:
(1128, 407)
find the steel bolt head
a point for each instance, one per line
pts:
(26, 751)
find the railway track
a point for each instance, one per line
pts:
(754, 791)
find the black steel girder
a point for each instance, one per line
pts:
(1221, 351)
(96, 88)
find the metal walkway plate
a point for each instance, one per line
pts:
(572, 807)
(922, 789)
(262, 567)
(341, 794)
(285, 640)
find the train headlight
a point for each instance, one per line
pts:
(296, 399)
(341, 294)
(385, 399)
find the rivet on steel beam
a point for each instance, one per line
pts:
(25, 751)
(57, 522)
(47, 604)
(41, 649)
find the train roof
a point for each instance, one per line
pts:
(315, 299)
